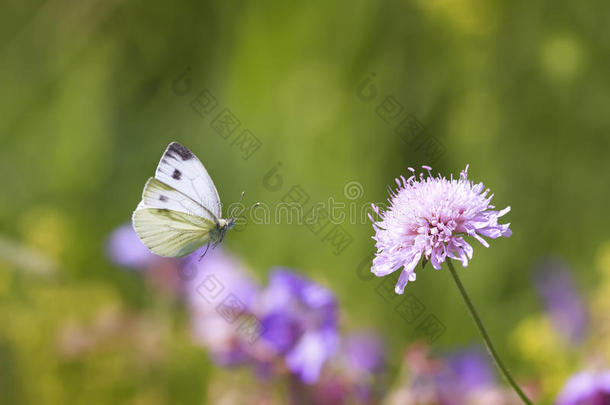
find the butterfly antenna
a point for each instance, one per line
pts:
(241, 197)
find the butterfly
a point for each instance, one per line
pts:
(180, 209)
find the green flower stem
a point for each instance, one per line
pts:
(490, 346)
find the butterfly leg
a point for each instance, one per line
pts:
(206, 251)
(222, 237)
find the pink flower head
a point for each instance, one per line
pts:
(429, 217)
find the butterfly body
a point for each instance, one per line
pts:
(217, 234)
(180, 209)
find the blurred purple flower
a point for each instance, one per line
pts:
(125, 249)
(282, 331)
(365, 352)
(464, 377)
(428, 218)
(465, 371)
(561, 299)
(310, 353)
(364, 362)
(220, 296)
(299, 319)
(330, 391)
(586, 388)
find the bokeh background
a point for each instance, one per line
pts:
(93, 91)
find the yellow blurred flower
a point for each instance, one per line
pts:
(562, 57)
(600, 306)
(542, 347)
(469, 17)
(603, 260)
(5, 279)
(46, 229)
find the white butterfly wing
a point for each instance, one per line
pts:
(180, 169)
(160, 195)
(170, 233)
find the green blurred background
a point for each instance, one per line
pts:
(518, 90)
